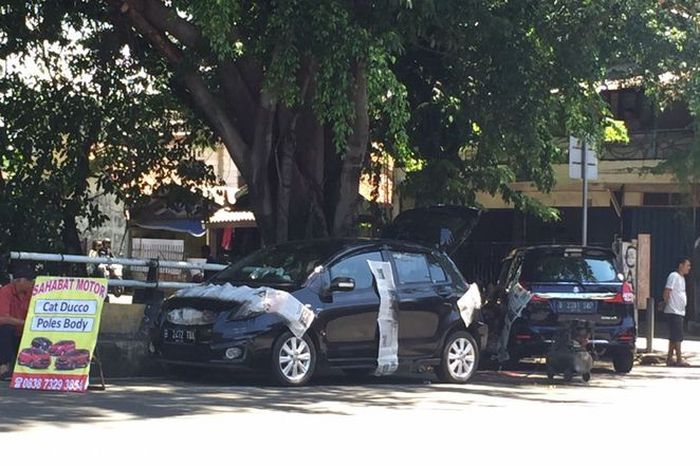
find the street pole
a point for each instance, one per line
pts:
(584, 176)
(651, 316)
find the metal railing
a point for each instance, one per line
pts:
(152, 264)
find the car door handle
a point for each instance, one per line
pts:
(443, 291)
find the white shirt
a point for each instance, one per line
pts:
(677, 299)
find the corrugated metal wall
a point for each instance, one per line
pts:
(672, 236)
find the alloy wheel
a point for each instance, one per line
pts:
(461, 358)
(294, 359)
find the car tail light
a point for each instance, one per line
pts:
(535, 297)
(626, 336)
(625, 295)
(523, 337)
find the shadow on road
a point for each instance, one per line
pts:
(160, 398)
(331, 394)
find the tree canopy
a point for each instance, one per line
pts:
(468, 95)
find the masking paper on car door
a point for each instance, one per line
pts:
(296, 315)
(517, 300)
(468, 303)
(387, 319)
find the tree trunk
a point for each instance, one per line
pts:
(294, 176)
(70, 235)
(348, 196)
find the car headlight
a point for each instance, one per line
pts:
(189, 316)
(246, 310)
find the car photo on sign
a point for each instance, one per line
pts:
(41, 343)
(34, 358)
(70, 360)
(60, 347)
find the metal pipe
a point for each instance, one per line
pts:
(584, 177)
(153, 285)
(43, 257)
(651, 314)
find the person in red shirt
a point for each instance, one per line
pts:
(14, 304)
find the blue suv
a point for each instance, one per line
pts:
(565, 283)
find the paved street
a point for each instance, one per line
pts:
(404, 417)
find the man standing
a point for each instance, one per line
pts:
(14, 304)
(676, 300)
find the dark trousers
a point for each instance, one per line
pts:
(9, 343)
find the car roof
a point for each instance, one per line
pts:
(345, 245)
(558, 247)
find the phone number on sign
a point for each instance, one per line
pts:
(37, 383)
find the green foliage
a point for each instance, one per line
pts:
(78, 120)
(468, 95)
(615, 131)
(495, 86)
(217, 19)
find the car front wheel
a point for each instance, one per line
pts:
(293, 359)
(460, 358)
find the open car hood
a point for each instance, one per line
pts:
(444, 227)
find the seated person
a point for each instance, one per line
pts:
(14, 304)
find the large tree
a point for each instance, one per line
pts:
(474, 92)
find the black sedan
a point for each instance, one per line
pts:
(348, 328)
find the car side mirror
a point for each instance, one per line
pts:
(621, 277)
(342, 284)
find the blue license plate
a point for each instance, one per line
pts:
(574, 307)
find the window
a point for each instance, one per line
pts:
(503, 278)
(285, 264)
(576, 267)
(437, 273)
(515, 270)
(356, 267)
(411, 267)
(661, 199)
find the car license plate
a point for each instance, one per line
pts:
(574, 307)
(179, 335)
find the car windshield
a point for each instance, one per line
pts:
(286, 264)
(569, 266)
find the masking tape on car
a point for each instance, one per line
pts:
(225, 292)
(296, 315)
(388, 354)
(517, 300)
(468, 303)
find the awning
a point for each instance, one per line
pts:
(194, 227)
(225, 217)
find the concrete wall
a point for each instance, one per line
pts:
(122, 345)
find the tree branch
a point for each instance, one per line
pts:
(242, 101)
(201, 94)
(166, 19)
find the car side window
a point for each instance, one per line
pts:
(411, 267)
(514, 273)
(437, 273)
(356, 267)
(505, 271)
